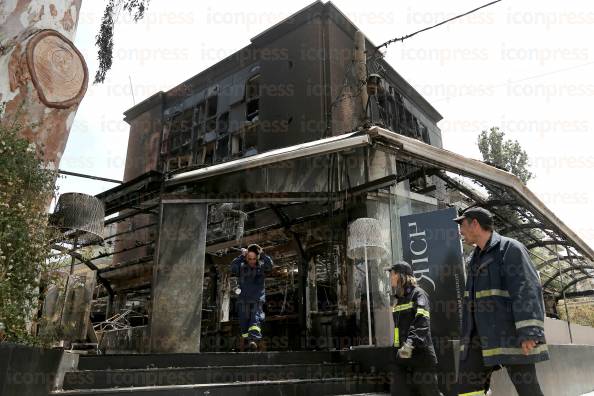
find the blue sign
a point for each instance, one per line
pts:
(431, 244)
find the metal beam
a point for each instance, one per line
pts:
(278, 197)
(574, 282)
(315, 148)
(132, 213)
(63, 172)
(267, 197)
(584, 293)
(555, 259)
(477, 169)
(567, 269)
(549, 243)
(525, 226)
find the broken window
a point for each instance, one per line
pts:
(424, 133)
(165, 138)
(223, 123)
(199, 118)
(178, 162)
(393, 120)
(236, 144)
(211, 106)
(252, 98)
(251, 137)
(181, 129)
(172, 164)
(209, 153)
(410, 125)
(211, 114)
(383, 107)
(184, 161)
(401, 118)
(222, 149)
(199, 155)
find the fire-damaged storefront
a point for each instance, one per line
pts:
(288, 144)
(299, 203)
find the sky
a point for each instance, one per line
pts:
(525, 66)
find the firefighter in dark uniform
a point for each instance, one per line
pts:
(251, 267)
(503, 310)
(413, 371)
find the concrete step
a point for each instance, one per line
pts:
(208, 359)
(290, 387)
(117, 378)
(366, 394)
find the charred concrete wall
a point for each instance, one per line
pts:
(293, 83)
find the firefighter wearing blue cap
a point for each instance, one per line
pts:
(251, 267)
(503, 310)
(413, 371)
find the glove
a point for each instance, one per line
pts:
(405, 352)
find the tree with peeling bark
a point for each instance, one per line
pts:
(43, 76)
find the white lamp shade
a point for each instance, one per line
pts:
(365, 233)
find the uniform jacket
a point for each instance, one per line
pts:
(503, 299)
(251, 280)
(412, 324)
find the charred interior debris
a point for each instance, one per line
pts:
(273, 145)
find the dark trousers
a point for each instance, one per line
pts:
(251, 317)
(409, 381)
(474, 376)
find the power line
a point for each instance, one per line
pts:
(434, 26)
(63, 172)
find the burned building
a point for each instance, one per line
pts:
(286, 143)
(295, 83)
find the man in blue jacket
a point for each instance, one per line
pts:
(503, 310)
(251, 267)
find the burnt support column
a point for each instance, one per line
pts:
(119, 303)
(311, 294)
(303, 270)
(178, 278)
(223, 296)
(379, 280)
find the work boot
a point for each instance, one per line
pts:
(253, 346)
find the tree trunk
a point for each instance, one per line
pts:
(43, 77)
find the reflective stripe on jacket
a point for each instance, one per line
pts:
(412, 324)
(503, 299)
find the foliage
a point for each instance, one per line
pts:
(504, 153)
(104, 39)
(26, 188)
(581, 311)
(508, 155)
